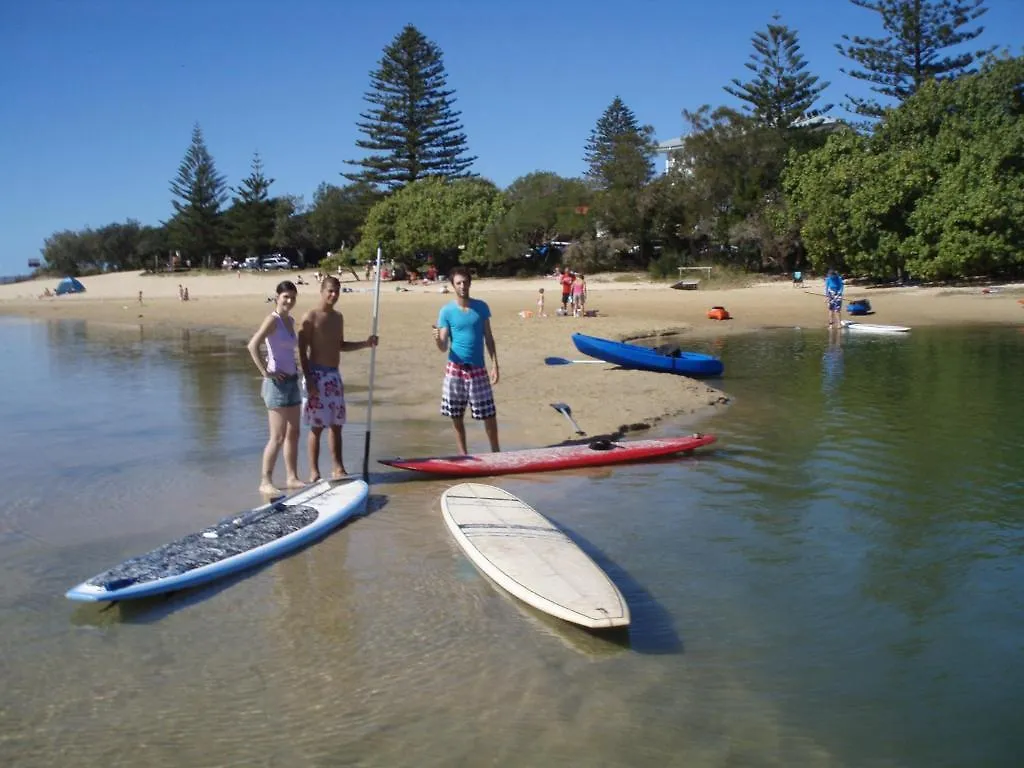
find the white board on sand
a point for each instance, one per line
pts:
(527, 555)
(873, 328)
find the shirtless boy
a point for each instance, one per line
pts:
(321, 342)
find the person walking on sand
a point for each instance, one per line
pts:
(834, 297)
(579, 294)
(280, 388)
(321, 342)
(566, 279)
(463, 330)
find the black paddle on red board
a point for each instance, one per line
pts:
(566, 411)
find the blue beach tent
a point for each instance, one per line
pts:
(69, 285)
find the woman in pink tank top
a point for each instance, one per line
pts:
(280, 388)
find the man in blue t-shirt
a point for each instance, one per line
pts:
(834, 296)
(463, 330)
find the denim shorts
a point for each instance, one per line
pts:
(281, 394)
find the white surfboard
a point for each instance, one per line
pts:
(527, 555)
(873, 328)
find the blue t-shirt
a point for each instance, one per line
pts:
(465, 331)
(834, 284)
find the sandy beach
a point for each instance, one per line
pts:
(409, 367)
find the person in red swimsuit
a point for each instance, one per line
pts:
(566, 280)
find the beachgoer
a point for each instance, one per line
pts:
(321, 342)
(566, 280)
(140, 297)
(834, 296)
(181, 292)
(280, 387)
(579, 293)
(540, 304)
(463, 330)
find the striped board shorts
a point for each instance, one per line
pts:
(467, 385)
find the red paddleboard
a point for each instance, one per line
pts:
(595, 454)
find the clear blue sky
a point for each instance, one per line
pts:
(99, 96)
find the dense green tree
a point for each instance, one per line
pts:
(251, 216)
(732, 165)
(199, 191)
(118, 246)
(71, 253)
(449, 221)
(291, 225)
(543, 206)
(411, 128)
(337, 214)
(936, 192)
(781, 92)
(918, 33)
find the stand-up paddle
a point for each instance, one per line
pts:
(566, 411)
(566, 361)
(373, 359)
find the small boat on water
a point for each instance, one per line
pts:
(626, 355)
(872, 328)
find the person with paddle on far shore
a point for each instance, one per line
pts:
(321, 342)
(463, 330)
(834, 297)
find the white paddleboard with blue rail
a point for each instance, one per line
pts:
(232, 545)
(873, 327)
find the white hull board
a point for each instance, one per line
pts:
(527, 555)
(872, 328)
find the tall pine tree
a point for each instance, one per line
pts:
(411, 128)
(620, 159)
(620, 152)
(781, 92)
(251, 216)
(917, 34)
(199, 191)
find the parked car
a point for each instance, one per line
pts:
(276, 261)
(251, 262)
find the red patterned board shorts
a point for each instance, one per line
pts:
(327, 407)
(467, 385)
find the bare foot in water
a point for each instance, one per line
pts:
(296, 482)
(339, 473)
(314, 478)
(267, 488)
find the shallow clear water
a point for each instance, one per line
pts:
(839, 582)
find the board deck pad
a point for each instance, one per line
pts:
(594, 454)
(199, 549)
(530, 557)
(237, 542)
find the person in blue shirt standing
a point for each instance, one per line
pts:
(833, 296)
(463, 330)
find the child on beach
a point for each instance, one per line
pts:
(540, 304)
(321, 342)
(280, 388)
(579, 294)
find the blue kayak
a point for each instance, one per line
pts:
(619, 353)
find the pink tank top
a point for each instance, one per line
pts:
(281, 345)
